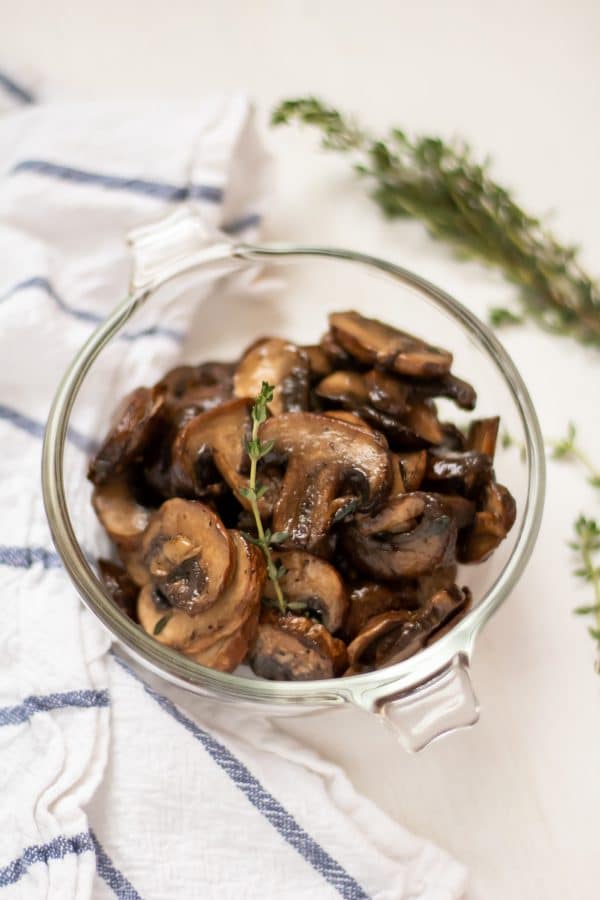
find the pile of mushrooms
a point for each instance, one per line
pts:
(379, 500)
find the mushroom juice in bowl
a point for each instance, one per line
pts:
(308, 520)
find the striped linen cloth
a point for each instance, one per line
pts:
(111, 782)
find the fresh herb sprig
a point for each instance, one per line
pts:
(587, 547)
(567, 448)
(256, 451)
(444, 186)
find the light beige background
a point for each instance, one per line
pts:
(517, 798)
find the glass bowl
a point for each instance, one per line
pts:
(177, 312)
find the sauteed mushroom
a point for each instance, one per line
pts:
(371, 341)
(188, 554)
(494, 519)
(123, 518)
(328, 463)
(409, 537)
(293, 648)
(135, 423)
(448, 468)
(371, 598)
(311, 581)
(279, 363)
(483, 434)
(119, 585)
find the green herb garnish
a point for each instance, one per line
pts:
(587, 547)
(256, 451)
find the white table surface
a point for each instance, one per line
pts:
(518, 797)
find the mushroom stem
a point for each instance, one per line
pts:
(255, 451)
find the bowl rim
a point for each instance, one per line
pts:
(365, 689)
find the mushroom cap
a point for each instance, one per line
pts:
(328, 460)
(134, 425)
(412, 468)
(319, 363)
(448, 385)
(418, 536)
(123, 518)
(188, 553)
(280, 363)
(293, 648)
(465, 470)
(495, 517)
(395, 635)
(371, 341)
(372, 598)
(309, 579)
(346, 389)
(233, 613)
(386, 392)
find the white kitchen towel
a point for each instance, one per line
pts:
(111, 783)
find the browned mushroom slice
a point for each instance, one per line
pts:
(134, 426)
(454, 439)
(422, 419)
(294, 648)
(216, 438)
(372, 598)
(493, 521)
(279, 363)
(233, 612)
(374, 342)
(412, 468)
(461, 509)
(123, 518)
(483, 434)
(319, 363)
(451, 470)
(179, 381)
(419, 536)
(396, 635)
(312, 583)
(344, 415)
(449, 385)
(230, 651)
(188, 553)
(335, 352)
(345, 389)
(386, 392)
(329, 462)
(121, 588)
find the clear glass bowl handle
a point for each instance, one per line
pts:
(444, 703)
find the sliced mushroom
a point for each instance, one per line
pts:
(345, 415)
(461, 509)
(345, 389)
(386, 392)
(454, 439)
(279, 363)
(134, 426)
(449, 385)
(453, 471)
(294, 648)
(393, 636)
(217, 438)
(371, 599)
(191, 390)
(188, 553)
(123, 518)
(318, 362)
(329, 462)
(311, 581)
(233, 614)
(493, 521)
(371, 341)
(335, 352)
(483, 434)
(419, 536)
(121, 588)
(412, 468)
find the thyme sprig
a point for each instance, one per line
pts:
(256, 451)
(567, 448)
(444, 186)
(587, 547)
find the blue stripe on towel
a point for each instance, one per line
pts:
(63, 846)
(20, 93)
(105, 867)
(160, 190)
(43, 853)
(26, 557)
(265, 803)
(84, 315)
(36, 429)
(87, 699)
